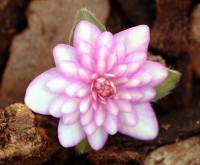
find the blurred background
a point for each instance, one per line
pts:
(29, 29)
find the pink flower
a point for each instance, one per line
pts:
(100, 86)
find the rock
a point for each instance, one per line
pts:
(111, 156)
(138, 11)
(195, 40)
(11, 18)
(24, 138)
(182, 153)
(49, 23)
(169, 33)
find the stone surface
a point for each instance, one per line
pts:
(24, 138)
(182, 153)
(116, 157)
(12, 19)
(49, 23)
(138, 11)
(195, 40)
(169, 33)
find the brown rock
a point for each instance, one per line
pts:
(11, 18)
(195, 40)
(24, 138)
(182, 153)
(49, 23)
(111, 156)
(169, 33)
(138, 11)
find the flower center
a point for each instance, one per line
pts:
(103, 88)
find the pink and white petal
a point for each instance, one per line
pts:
(56, 106)
(132, 40)
(70, 135)
(69, 69)
(111, 124)
(148, 93)
(83, 47)
(90, 128)
(85, 75)
(71, 105)
(58, 84)
(120, 81)
(112, 60)
(158, 72)
(147, 125)
(119, 70)
(83, 92)
(86, 31)
(141, 78)
(138, 57)
(71, 118)
(87, 62)
(123, 94)
(63, 52)
(98, 139)
(128, 118)
(124, 105)
(74, 87)
(38, 97)
(101, 66)
(86, 117)
(85, 104)
(99, 116)
(112, 107)
(132, 67)
(105, 39)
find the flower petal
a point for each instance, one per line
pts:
(97, 139)
(70, 135)
(90, 128)
(111, 124)
(63, 52)
(56, 106)
(124, 105)
(69, 69)
(38, 97)
(146, 127)
(141, 78)
(58, 84)
(157, 71)
(128, 118)
(71, 105)
(99, 116)
(73, 88)
(85, 104)
(148, 93)
(83, 47)
(132, 40)
(112, 108)
(71, 118)
(86, 117)
(86, 31)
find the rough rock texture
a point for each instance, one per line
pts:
(182, 153)
(24, 138)
(170, 36)
(170, 29)
(195, 40)
(11, 18)
(138, 11)
(49, 23)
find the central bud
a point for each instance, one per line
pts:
(103, 88)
